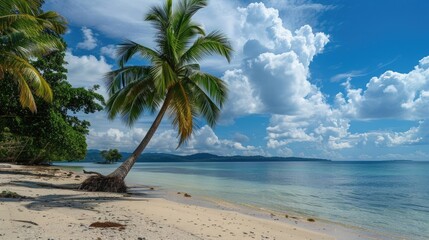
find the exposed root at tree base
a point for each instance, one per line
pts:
(102, 183)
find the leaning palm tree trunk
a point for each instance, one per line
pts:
(173, 75)
(115, 181)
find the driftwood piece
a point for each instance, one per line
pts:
(91, 172)
(24, 221)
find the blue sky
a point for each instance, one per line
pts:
(344, 80)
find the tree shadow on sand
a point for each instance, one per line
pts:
(73, 201)
(36, 184)
(81, 200)
(26, 173)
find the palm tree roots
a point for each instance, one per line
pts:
(100, 183)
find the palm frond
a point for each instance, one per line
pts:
(27, 32)
(31, 24)
(182, 23)
(25, 96)
(182, 111)
(20, 6)
(120, 78)
(159, 16)
(214, 43)
(19, 22)
(15, 65)
(215, 87)
(132, 91)
(36, 46)
(53, 21)
(205, 105)
(28, 78)
(132, 101)
(128, 49)
(163, 75)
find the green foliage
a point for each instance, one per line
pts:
(53, 134)
(27, 32)
(173, 73)
(111, 155)
(11, 145)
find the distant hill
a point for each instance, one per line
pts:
(94, 156)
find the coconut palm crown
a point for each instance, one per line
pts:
(173, 81)
(27, 32)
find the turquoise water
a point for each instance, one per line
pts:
(386, 197)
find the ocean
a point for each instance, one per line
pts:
(389, 198)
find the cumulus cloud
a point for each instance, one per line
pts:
(109, 51)
(323, 128)
(89, 41)
(242, 98)
(329, 135)
(86, 70)
(273, 78)
(391, 95)
(270, 75)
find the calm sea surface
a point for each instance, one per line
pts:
(386, 197)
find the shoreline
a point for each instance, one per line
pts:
(330, 228)
(152, 214)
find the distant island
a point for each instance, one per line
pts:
(95, 156)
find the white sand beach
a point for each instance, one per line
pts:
(49, 211)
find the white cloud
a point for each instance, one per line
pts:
(86, 70)
(109, 51)
(241, 138)
(274, 75)
(329, 136)
(391, 95)
(242, 99)
(415, 135)
(89, 41)
(270, 76)
(300, 12)
(107, 17)
(323, 128)
(164, 140)
(347, 76)
(125, 18)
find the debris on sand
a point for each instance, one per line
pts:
(107, 225)
(24, 221)
(9, 194)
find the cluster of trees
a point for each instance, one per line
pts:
(36, 101)
(111, 155)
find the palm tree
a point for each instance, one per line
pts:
(173, 81)
(27, 32)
